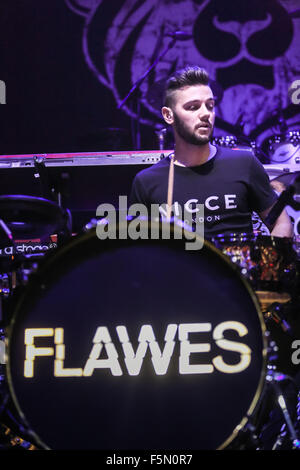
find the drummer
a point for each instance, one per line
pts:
(231, 183)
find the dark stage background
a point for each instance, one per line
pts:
(67, 64)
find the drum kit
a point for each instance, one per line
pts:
(138, 344)
(141, 344)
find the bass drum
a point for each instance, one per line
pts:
(136, 344)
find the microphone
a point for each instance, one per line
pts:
(180, 35)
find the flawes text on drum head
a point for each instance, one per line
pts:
(133, 359)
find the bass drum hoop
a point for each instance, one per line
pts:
(51, 259)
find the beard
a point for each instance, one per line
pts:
(190, 137)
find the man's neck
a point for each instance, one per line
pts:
(192, 155)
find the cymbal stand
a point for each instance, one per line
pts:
(273, 378)
(282, 436)
(161, 133)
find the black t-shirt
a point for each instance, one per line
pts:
(231, 185)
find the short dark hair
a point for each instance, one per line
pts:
(188, 76)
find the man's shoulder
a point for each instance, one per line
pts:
(155, 169)
(237, 159)
(235, 153)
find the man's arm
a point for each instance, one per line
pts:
(283, 226)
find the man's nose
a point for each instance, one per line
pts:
(203, 113)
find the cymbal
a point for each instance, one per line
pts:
(28, 217)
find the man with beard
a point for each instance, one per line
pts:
(230, 183)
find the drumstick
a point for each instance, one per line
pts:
(170, 187)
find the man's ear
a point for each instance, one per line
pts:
(167, 114)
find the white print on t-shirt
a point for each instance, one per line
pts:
(191, 208)
(209, 203)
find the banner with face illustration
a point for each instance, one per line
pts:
(249, 48)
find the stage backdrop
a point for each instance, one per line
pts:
(67, 66)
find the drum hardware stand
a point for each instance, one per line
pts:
(2, 356)
(249, 438)
(9, 436)
(273, 378)
(12, 441)
(161, 134)
(282, 124)
(178, 35)
(9, 426)
(250, 435)
(41, 174)
(4, 279)
(283, 433)
(48, 191)
(255, 430)
(56, 192)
